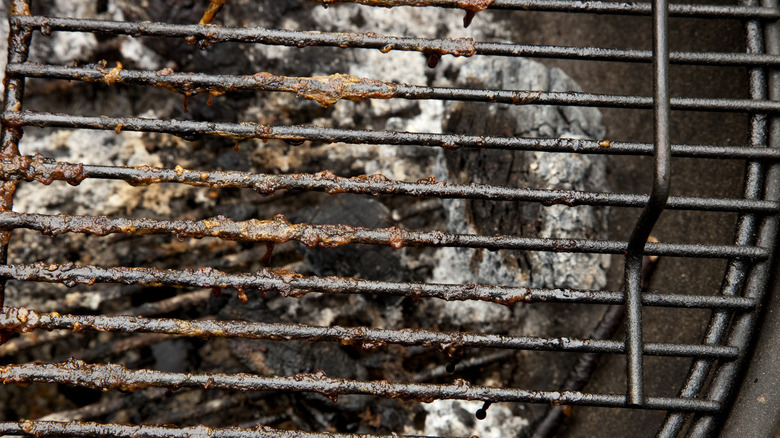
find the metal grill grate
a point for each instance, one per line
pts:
(704, 396)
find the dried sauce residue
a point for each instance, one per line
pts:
(19, 7)
(327, 90)
(470, 6)
(212, 11)
(112, 76)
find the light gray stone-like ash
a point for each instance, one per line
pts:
(523, 169)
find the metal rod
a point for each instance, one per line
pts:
(656, 204)
(101, 430)
(23, 320)
(18, 49)
(191, 129)
(183, 301)
(594, 7)
(115, 376)
(279, 230)
(39, 169)
(207, 35)
(292, 284)
(327, 90)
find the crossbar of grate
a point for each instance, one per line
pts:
(295, 285)
(329, 89)
(593, 7)
(38, 169)
(297, 133)
(441, 46)
(279, 230)
(26, 320)
(114, 376)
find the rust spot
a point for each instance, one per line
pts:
(327, 90)
(19, 7)
(526, 97)
(605, 143)
(35, 169)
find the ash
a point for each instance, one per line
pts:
(447, 265)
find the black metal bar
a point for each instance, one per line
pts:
(36, 168)
(101, 430)
(190, 129)
(18, 49)
(279, 230)
(594, 7)
(24, 320)
(292, 284)
(327, 90)
(191, 299)
(440, 46)
(115, 376)
(656, 204)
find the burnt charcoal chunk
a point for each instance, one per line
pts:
(364, 261)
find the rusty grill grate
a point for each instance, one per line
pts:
(703, 397)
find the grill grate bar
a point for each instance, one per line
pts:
(190, 299)
(114, 376)
(207, 35)
(655, 205)
(296, 133)
(367, 338)
(328, 90)
(101, 430)
(292, 284)
(279, 230)
(13, 93)
(593, 7)
(38, 169)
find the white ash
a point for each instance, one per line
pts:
(456, 418)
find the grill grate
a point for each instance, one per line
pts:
(716, 361)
